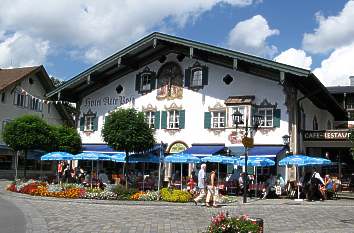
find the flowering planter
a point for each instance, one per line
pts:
(259, 222)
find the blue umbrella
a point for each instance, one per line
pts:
(298, 160)
(319, 161)
(220, 159)
(182, 158)
(57, 156)
(118, 158)
(257, 162)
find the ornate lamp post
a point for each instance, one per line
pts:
(247, 142)
(286, 140)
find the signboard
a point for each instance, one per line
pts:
(247, 142)
(108, 100)
(177, 147)
(326, 135)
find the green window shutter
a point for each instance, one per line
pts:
(205, 71)
(163, 120)
(82, 123)
(182, 120)
(137, 82)
(157, 120)
(207, 120)
(95, 123)
(276, 118)
(187, 77)
(153, 81)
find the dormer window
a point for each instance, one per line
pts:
(196, 77)
(145, 81)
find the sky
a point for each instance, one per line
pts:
(67, 37)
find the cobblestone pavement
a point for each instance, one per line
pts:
(59, 215)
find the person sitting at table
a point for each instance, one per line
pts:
(87, 179)
(270, 183)
(191, 184)
(329, 186)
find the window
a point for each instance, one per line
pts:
(218, 119)
(3, 95)
(150, 119)
(89, 123)
(20, 99)
(173, 119)
(267, 117)
(314, 123)
(145, 82)
(197, 77)
(241, 109)
(35, 104)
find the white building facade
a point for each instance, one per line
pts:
(190, 90)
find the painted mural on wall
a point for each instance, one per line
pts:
(170, 82)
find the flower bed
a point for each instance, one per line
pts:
(175, 195)
(223, 223)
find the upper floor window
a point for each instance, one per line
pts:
(197, 77)
(314, 123)
(173, 119)
(145, 80)
(35, 104)
(218, 119)
(20, 99)
(89, 123)
(150, 119)
(240, 109)
(267, 117)
(3, 96)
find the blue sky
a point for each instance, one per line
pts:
(68, 37)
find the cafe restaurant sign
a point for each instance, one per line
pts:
(326, 135)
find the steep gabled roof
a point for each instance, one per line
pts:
(11, 76)
(155, 45)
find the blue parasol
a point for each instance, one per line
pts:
(182, 158)
(257, 162)
(319, 161)
(57, 156)
(118, 158)
(298, 160)
(220, 159)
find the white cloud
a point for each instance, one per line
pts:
(250, 36)
(336, 69)
(22, 50)
(332, 32)
(295, 57)
(94, 29)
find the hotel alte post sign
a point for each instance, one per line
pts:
(326, 135)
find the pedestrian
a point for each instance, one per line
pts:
(211, 189)
(201, 184)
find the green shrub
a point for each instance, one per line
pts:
(123, 193)
(175, 195)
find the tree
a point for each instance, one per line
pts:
(65, 139)
(25, 133)
(126, 130)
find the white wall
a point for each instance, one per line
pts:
(9, 111)
(195, 103)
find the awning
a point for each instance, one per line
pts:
(35, 154)
(204, 150)
(258, 151)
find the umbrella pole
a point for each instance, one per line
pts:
(218, 174)
(298, 188)
(97, 168)
(41, 172)
(91, 172)
(181, 175)
(58, 171)
(256, 190)
(16, 164)
(143, 176)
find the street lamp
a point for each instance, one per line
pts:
(286, 140)
(247, 142)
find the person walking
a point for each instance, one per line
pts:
(211, 189)
(201, 184)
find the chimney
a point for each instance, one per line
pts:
(351, 78)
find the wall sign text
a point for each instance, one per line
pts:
(327, 135)
(108, 101)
